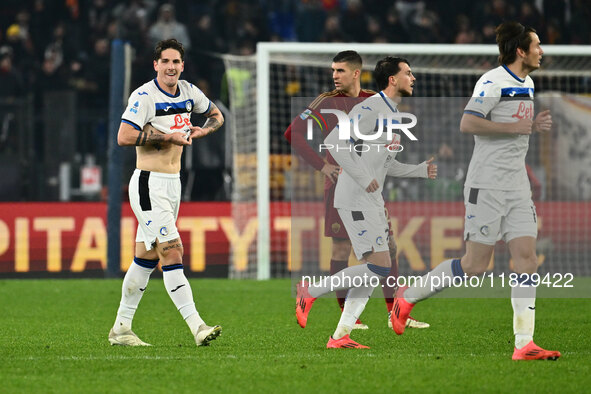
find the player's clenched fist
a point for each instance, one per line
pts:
(179, 138)
(523, 126)
(373, 186)
(543, 121)
(431, 169)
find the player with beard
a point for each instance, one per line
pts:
(346, 72)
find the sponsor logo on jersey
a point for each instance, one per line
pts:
(148, 222)
(362, 232)
(485, 82)
(524, 111)
(142, 93)
(470, 217)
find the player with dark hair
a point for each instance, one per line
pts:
(157, 121)
(497, 192)
(358, 198)
(346, 71)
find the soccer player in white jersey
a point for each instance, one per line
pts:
(358, 198)
(157, 121)
(497, 193)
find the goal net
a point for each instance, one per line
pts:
(277, 199)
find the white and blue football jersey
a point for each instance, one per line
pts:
(165, 112)
(498, 162)
(365, 159)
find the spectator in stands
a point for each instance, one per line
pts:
(11, 84)
(133, 22)
(394, 28)
(310, 21)
(332, 30)
(168, 27)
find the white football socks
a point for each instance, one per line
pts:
(178, 288)
(523, 300)
(355, 276)
(434, 281)
(354, 305)
(135, 282)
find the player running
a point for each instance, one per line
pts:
(358, 199)
(497, 192)
(346, 72)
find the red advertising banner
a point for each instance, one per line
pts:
(72, 237)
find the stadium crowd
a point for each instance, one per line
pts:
(55, 44)
(63, 45)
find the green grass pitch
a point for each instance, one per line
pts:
(53, 338)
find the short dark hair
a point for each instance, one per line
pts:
(171, 43)
(350, 57)
(386, 67)
(510, 36)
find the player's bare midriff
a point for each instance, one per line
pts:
(163, 157)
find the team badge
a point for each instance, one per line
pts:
(336, 227)
(484, 230)
(163, 231)
(380, 241)
(188, 105)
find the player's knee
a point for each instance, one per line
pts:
(526, 263)
(381, 259)
(473, 265)
(171, 251)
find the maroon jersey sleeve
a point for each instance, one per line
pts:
(296, 132)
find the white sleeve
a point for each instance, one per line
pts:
(346, 157)
(402, 170)
(202, 103)
(140, 109)
(485, 97)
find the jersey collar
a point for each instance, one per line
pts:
(387, 101)
(178, 89)
(512, 74)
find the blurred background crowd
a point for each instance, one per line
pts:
(51, 49)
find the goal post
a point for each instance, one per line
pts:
(443, 70)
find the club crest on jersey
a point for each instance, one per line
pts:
(484, 230)
(163, 231)
(336, 227)
(188, 106)
(380, 241)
